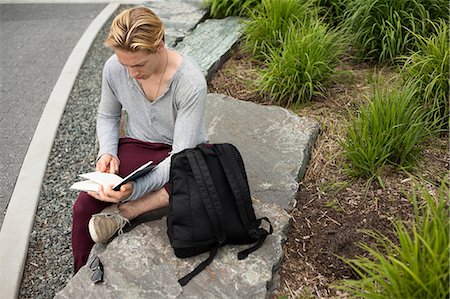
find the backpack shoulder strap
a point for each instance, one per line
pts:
(208, 193)
(261, 237)
(234, 169)
(237, 178)
(213, 207)
(184, 280)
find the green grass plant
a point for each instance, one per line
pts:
(413, 265)
(300, 68)
(269, 23)
(430, 68)
(386, 29)
(439, 9)
(332, 10)
(219, 9)
(388, 131)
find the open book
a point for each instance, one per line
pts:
(95, 179)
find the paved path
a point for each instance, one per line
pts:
(36, 40)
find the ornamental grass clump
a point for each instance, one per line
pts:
(299, 69)
(332, 10)
(388, 131)
(386, 29)
(429, 67)
(269, 23)
(416, 263)
(224, 8)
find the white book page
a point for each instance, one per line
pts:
(103, 178)
(107, 179)
(85, 186)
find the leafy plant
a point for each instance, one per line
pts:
(224, 8)
(299, 70)
(388, 131)
(332, 10)
(413, 266)
(430, 68)
(386, 29)
(439, 9)
(269, 23)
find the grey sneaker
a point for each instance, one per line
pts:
(104, 225)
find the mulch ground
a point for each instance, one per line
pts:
(332, 208)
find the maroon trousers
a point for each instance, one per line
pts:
(132, 154)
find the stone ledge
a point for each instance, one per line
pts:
(179, 17)
(211, 42)
(275, 144)
(141, 264)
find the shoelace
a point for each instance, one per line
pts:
(121, 221)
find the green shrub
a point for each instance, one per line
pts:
(429, 67)
(269, 23)
(298, 70)
(416, 265)
(388, 131)
(332, 10)
(439, 9)
(224, 8)
(385, 29)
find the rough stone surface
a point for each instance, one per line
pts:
(275, 144)
(179, 17)
(210, 43)
(141, 264)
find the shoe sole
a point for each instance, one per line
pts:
(92, 232)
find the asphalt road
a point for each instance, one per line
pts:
(35, 42)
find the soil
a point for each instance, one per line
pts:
(333, 208)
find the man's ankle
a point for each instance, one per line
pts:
(125, 210)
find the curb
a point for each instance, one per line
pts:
(19, 218)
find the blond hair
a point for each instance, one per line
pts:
(136, 29)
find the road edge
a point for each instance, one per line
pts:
(20, 214)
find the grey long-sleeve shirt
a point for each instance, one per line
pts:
(175, 118)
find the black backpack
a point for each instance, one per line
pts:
(210, 204)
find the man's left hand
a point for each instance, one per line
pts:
(109, 195)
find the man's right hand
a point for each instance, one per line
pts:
(107, 163)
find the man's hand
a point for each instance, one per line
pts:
(109, 195)
(107, 163)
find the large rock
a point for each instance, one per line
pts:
(141, 264)
(179, 17)
(210, 43)
(274, 142)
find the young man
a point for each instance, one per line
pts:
(164, 94)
